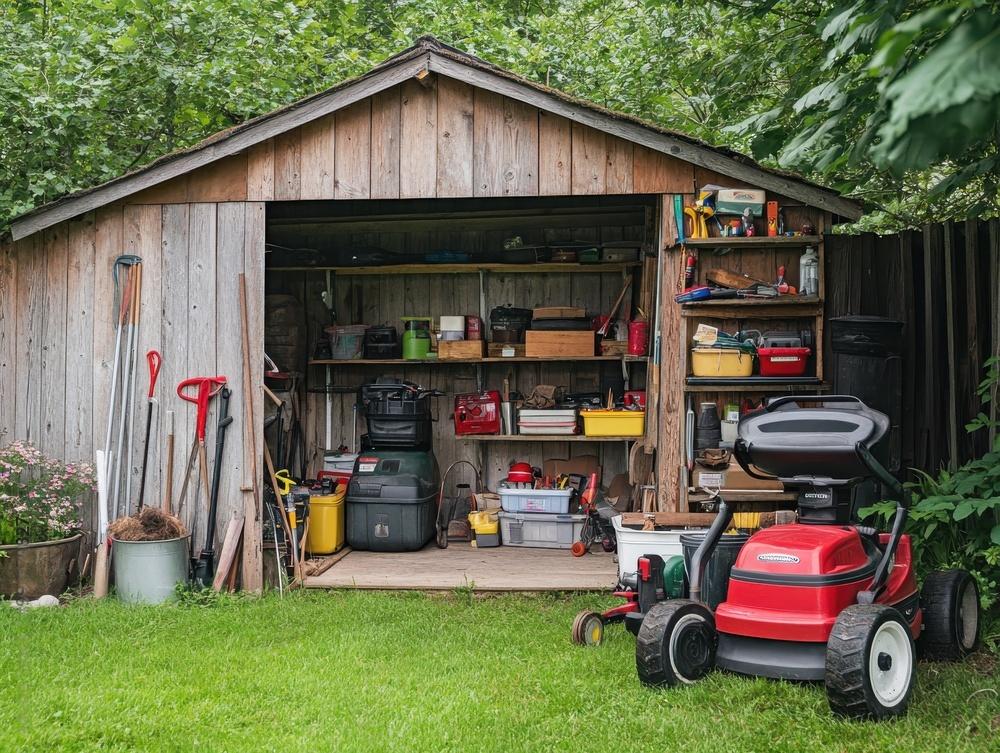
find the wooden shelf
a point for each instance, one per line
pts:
(743, 385)
(744, 496)
(758, 241)
(470, 268)
(448, 361)
(541, 438)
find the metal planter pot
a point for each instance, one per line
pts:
(28, 571)
(147, 572)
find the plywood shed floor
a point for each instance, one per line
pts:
(496, 569)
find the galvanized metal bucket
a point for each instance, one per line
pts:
(147, 572)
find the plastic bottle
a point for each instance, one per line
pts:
(809, 272)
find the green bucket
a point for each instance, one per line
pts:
(147, 572)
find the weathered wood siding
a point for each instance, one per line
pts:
(57, 338)
(438, 138)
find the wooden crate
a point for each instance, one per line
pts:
(496, 350)
(558, 343)
(614, 347)
(449, 350)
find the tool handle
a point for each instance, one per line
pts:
(208, 387)
(154, 360)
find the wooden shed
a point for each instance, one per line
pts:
(389, 195)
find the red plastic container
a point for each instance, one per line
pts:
(477, 413)
(638, 338)
(783, 362)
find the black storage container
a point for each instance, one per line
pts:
(392, 501)
(507, 324)
(715, 582)
(382, 343)
(398, 414)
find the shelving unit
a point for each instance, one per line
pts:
(756, 258)
(541, 438)
(472, 361)
(471, 268)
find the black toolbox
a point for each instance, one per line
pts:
(382, 343)
(398, 414)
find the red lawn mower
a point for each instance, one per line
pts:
(820, 599)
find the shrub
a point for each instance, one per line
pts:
(955, 517)
(39, 496)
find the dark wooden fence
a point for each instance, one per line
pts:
(943, 283)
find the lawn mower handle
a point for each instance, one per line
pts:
(773, 405)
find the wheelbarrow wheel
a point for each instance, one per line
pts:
(588, 629)
(579, 549)
(442, 538)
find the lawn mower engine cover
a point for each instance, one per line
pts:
(790, 582)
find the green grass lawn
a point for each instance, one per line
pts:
(401, 672)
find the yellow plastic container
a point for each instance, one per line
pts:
(721, 362)
(326, 523)
(613, 423)
(485, 521)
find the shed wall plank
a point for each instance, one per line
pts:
(108, 244)
(287, 166)
(174, 335)
(418, 140)
(80, 341)
(353, 168)
(655, 172)
(8, 340)
(202, 314)
(30, 305)
(385, 144)
(555, 159)
(260, 171)
(488, 138)
(253, 265)
(52, 376)
(318, 156)
(590, 161)
(519, 155)
(454, 138)
(620, 166)
(229, 348)
(144, 234)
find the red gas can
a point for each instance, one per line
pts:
(477, 413)
(638, 337)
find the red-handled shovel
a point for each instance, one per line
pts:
(154, 360)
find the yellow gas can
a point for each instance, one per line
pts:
(326, 523)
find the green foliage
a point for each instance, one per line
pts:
(895, 102)
(955, 518)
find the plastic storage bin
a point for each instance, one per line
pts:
(535, 500)
(779, 362)
(550, 421)
(721, 362)
(633, 543)
(346, 342)
(540, 530)
(392, 501)
(614, 423)
(326, 522)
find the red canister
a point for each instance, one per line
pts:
(638, 338)
(473, 327)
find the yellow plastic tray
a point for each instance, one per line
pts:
(721, 362)
(613, 423)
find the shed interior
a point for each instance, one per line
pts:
(372, 259)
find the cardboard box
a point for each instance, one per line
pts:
(460, 349)
(733, 478)
(583, 465)
(558, 343)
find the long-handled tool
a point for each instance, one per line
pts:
(205, 389)
(154, 360)
(127, 394)
(204, 567)
(168, 490)
(614, 309)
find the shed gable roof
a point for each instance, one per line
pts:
(430, 55)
